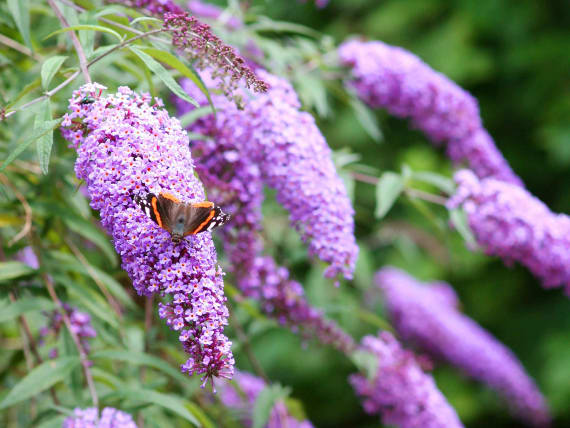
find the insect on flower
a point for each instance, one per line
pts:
(180, 219)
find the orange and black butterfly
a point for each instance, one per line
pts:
(181, 219)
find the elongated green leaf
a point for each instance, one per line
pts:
(39, 379)
(146, 19)
(45, 128)
(23, 306)
(442, 182)
(193, 115)
(265, 402)
(366, 362)
(27, 89)
(167, 401)
(97, 236)
(389, 187)
(45, 142)
(163, 75)
(11, 270)
(459, 220)
(20, 10)
(170, 60)
(141, 358)
(85, 27)
(55, 422)
(367, 119)
(50, 68)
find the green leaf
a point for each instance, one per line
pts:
(27, 89)
(44, 129)
(55, 422)
(11, 270)
(86, 27)
(50, 68)
(23, 306)
(167, 401)
(389, 187)
(170, 60)
(367, 119)
(141, 358)
(93, 234)
(163, 75)
(39, 379)
(442, 182)
(145, 19)
(459, 220)
(193, 115)
(366, 362)
(45, 142)
(20, 10)
(265, 402)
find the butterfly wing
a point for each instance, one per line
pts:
(202, 217)
(157, 208)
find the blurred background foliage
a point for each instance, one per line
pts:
(512, 56)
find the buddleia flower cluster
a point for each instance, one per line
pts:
(89, 418)
(509, 222)
(241, 396)
(291, 156)
(80, 325)
(390, 77)
(427, 315)
(235, 182)
(127, 147)
(399, 390)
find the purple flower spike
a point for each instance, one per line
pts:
(208, 10)
(390, 77)
(511, 223)
(89, 418)
(427, 315)
(243, 399)
(127, 147)
(293, 158)
(235, 183)
(400, 391)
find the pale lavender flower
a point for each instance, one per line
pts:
(26, 255)
(235, 182)
(509, 222)
(243, 399)
(89, 418)
(390, 77)
(427, 315)
(80, 325)
(127, 147)
(293, 158)
(400, 392)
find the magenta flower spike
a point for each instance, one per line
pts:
(390, 77)
(400, 392)
(509, 222)
(127, 147)
(428, 316)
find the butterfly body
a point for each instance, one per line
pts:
(178, 218)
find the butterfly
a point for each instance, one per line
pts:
(178, 218)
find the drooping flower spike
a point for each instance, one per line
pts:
(399, 390)
(291, 156)
(126, 148)
(235, 182)
(427, 315)
(511, 223)
(390, 77)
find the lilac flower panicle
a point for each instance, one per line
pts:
(80, 324)
(509, 222)
(294, 159)
(243, 399)
(427, 315)
(89, 418)
(390, 77)
(400, 391)
(236, 182)
(127, 147)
